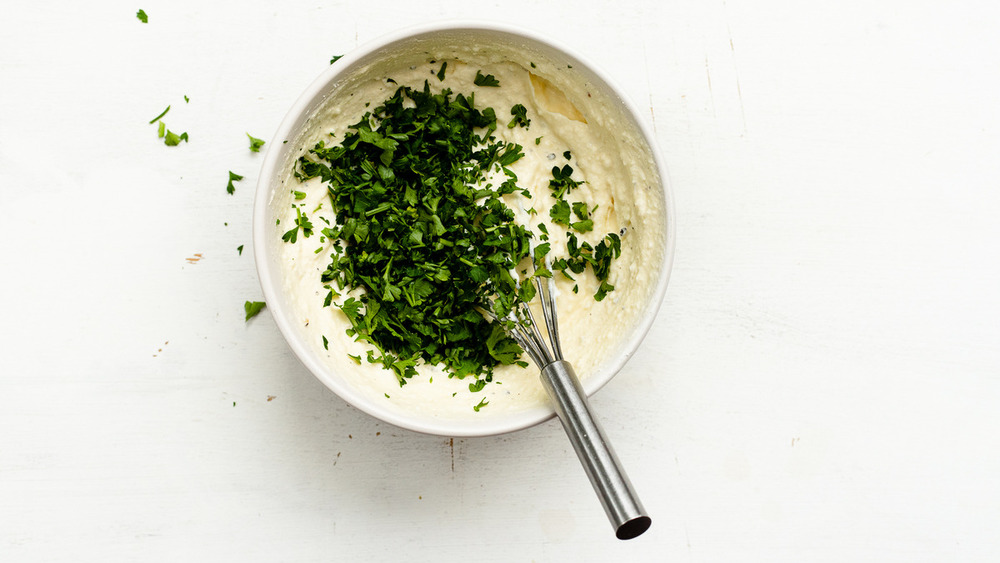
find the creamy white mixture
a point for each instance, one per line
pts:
(606, 152)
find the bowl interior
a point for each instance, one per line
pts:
(491, 42)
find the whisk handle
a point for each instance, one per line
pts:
(610, 482)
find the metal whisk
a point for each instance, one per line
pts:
(606, 474)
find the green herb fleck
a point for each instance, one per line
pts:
(233, 177)
(186, 99)
(520, 114)
(158, 117)
(141, 14)
(561, 183)
(240, 249)
(252, 308)
(301, 222)
(481, 404)
(326, 343)
(255, 143)
(440, 73)
(488, 80)
(602, 291)
(336, 58)
(173, 139)
(560, 213)
(161, 130)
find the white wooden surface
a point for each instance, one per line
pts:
(822, 382)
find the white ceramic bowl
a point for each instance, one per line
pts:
(278, 155)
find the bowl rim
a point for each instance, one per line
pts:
(274, 158)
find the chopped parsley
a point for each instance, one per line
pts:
(233, 177)
(417, 231)
(240, 249)
(482, 403)
(520, 114)
(562, 183)
(141, 14)
(186, 99)
(172, 139)
(422, 243)
(488, 80)
(158, 117)
(255, 143)
(336, 58)
(252, 308)
(301, 222)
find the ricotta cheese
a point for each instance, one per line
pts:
(606, 151)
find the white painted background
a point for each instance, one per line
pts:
(822, 382)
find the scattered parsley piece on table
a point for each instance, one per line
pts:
(255, 143)
(186, 99)
(158, 117)
(173, 139)
(141, 14)
(336, 58)
(252, 308)
(240, 249)
(233, 177)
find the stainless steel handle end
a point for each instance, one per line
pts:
(606, 474)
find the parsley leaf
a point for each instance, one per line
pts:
(440, 73)
(561, 182)
(240, 249)
(336, 58)
(481, 404)
(233, 177)
(520, 114)
(255, 143)
(488, 80)
(301, 222)
(141, 14)
(173, 139)
(252, 308)
(560, 213)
